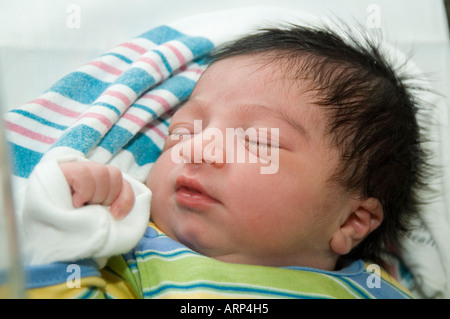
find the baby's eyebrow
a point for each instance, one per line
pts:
(194, 104)
(251, 109)
(296, 125)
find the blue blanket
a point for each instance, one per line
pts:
(115, 108)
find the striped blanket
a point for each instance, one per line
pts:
(113, 109)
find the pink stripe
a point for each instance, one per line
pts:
(195, 70)
(177, 53)
(158, 99)
(55, 107)
(28, 133)
(157, 130)
(153, 64)
(119, 95)
(134, 119)
(134, 47)
(106, 67)
(99, 117)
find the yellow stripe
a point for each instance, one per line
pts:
(62, 291)
(116, 287)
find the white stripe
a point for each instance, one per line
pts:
(27, 142)
(349, 289)
(97, 73)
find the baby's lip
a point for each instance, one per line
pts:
(190, 192)
(193, 184)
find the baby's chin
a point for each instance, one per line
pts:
(192, 238)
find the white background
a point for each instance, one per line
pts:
(37, 47)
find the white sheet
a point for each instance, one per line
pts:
(49, 30)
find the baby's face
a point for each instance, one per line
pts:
(234, 210)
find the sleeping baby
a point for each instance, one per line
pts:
(336, 125)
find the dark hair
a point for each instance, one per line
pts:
(372, 111)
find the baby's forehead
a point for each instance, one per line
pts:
(294, 73)
(279, 89)
(261, 61)
(273, 69)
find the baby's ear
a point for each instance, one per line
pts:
(360, 222)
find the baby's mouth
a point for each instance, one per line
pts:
(189, 190)
(190, 193)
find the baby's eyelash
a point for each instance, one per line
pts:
(179, 131)
(255, 143)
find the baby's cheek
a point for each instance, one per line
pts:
(157, 172)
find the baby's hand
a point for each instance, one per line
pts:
(95, 183)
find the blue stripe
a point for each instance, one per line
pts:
(91, 292)
(356, 288)
(239, 289)
(23, 160)
(137, 79)
(179, 85)
(199, 46)
(40, 119)
(159, 242)
(82, 138)
(109, 106)
(57, 273)
(115, 139)
(163, 58)
(119, 56)
(145, 108)
(385, 291)
(163, 121)
(204, 60)
(170, 254)
(152, 112)
(144, 150)
(80, 87)
(392, 292)
(132, 263)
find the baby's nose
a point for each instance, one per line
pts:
(208, 147)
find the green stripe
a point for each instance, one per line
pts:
(356, 288)
(188, 271)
